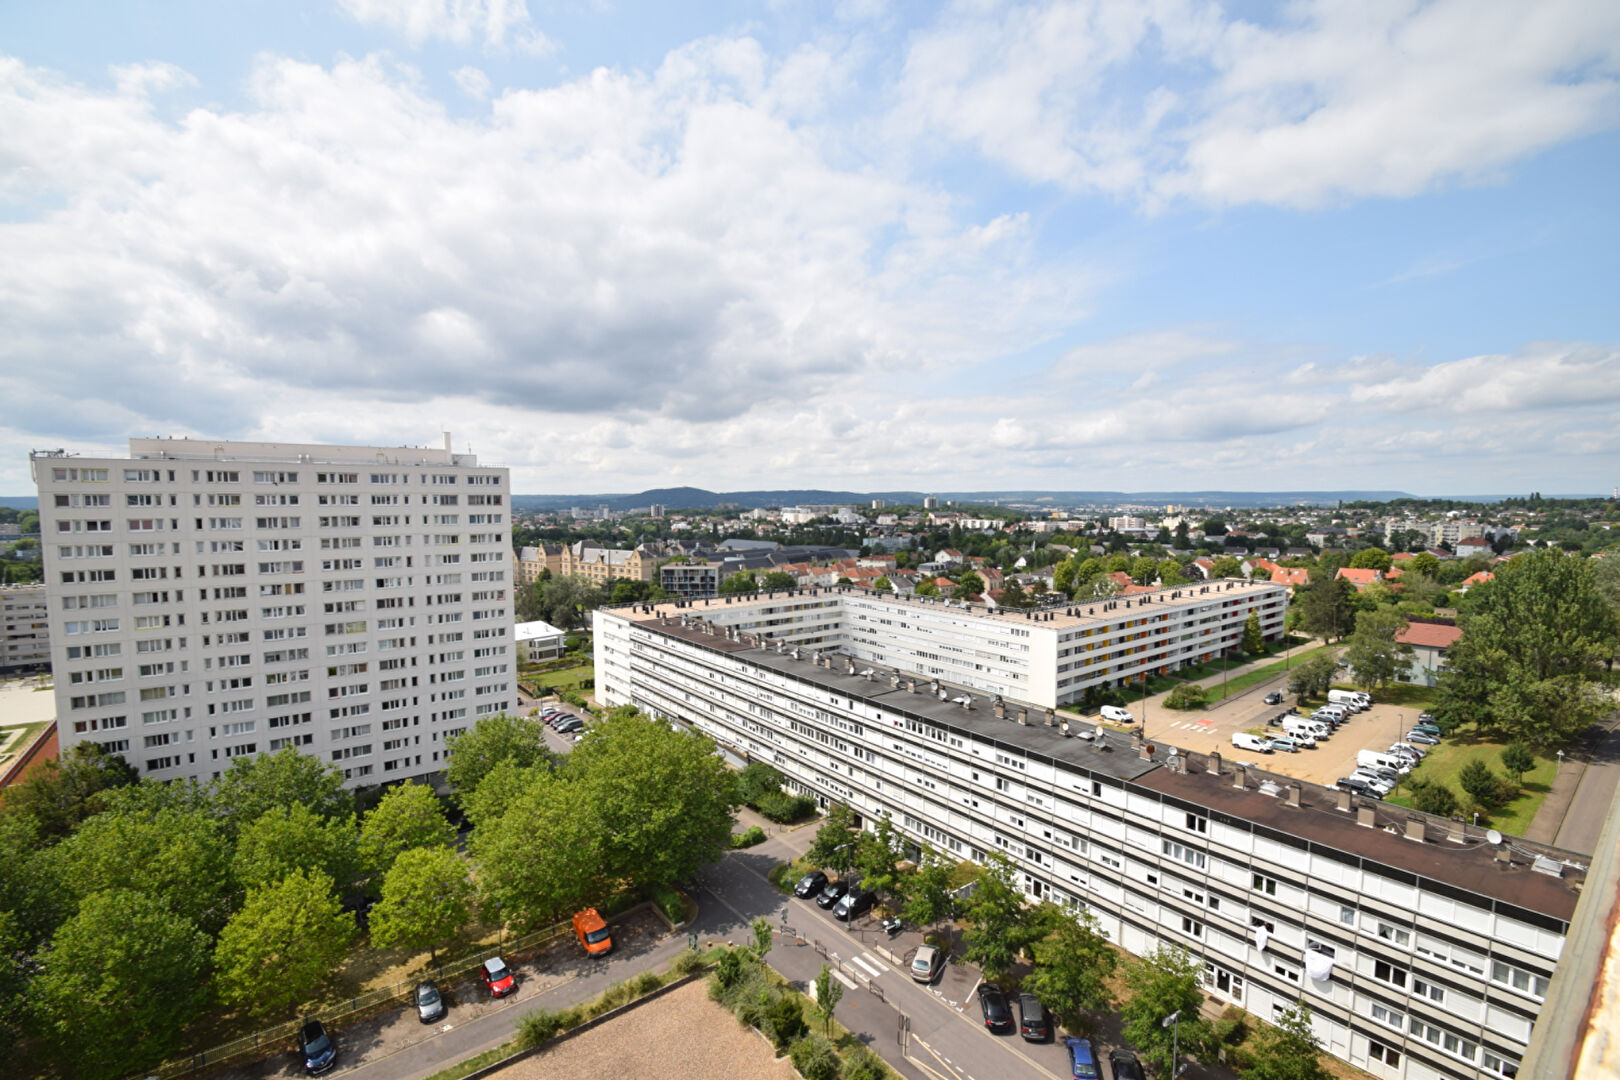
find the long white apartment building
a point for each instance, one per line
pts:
(214, 599)
(1047, 658)
(25, 636)
(1424, 950)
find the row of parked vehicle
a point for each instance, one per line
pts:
(1304, 732)
(561, 721)
(1379, 771)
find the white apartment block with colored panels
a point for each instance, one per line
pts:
(1047, 658)
(210, 600)
(1423, 951)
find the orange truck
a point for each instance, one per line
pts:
(592, 932)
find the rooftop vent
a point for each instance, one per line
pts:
(1550, 867)
(1416, 830)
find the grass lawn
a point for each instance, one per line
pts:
(1239, 683)
(20, 735)
(1447, 760)
(566, 676)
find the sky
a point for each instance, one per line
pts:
(1167, 244)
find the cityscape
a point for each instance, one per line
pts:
(1059, 538)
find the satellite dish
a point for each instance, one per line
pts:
(1493, 836)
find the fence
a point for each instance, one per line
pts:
(277, 1036)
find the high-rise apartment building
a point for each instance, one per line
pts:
(210, 600)
(25, 638)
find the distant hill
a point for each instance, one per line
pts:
(691, 498)
(20, 502)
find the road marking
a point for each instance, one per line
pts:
(841, 977)
(861, 962)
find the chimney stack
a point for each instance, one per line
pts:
(1049, 717)
(1240, 776)
(999, 708)
(1294, 791)
(1214, 760)
(1415, 830)
(1343, 801)
(1366, 816)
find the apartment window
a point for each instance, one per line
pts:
(1347, 915)
(1181, 853)
(1267, 885)
(1424, 988)
(1383, 1053)
(1501, 1066)
(1389, 973)
(1389, 932)
(1197, 823)
(1284, 971)
(1192, 927)
(1452, 1044)
(1526, 982)
(1388, 1017)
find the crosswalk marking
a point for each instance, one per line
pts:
(869, 966)
(841, 977)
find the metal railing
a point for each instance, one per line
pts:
(278, 1035)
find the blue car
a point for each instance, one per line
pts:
(1082, 1062)
(316, 1046)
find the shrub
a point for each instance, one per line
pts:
(815, 1058)
(781, 876)
(544, 1024)
(1432, 797)
(861, 1064)
(785, 1018)
(1231, 1028)
(669, 901)
(1186, 696)
(687, 962)
(1479, 782)
(748, 837)
(646, 983)
(782, 807)
(758, 779)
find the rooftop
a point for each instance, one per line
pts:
(1429, 635)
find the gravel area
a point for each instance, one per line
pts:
(682, 1033)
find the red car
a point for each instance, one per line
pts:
(498, 978)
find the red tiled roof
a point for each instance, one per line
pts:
(1480, 578)
(1430, 635)
(1356, 577)
(1122, 579)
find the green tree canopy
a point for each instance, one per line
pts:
(1254, 639)
(968, 585)
(409, 816)
(1170, 574)
(289, 838)
(1535, 641)
(883, 584)
(282, 945)
(1227, 566)
(775, 580)
(877, 856)
(541, 859)
(118, 984)
(1314, 677)
(741, 583)
(1370, 559)
(835, 841)
(1425, 564)
(1287, 1050)
(999, 926)
(1144, 570)
(926, 890)
(256, 783)
(1162, 983)
(1373, 652)
(1328, 605)
(1517, 759)
(59, 795)
(426, 900)
(1072, 969)
(492, 740)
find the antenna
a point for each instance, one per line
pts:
(1494, 837)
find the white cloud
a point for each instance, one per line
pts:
(1338, 99)
(473, 82)
(498, 24)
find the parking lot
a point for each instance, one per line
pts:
(1332, 758)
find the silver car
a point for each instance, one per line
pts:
(926, 965)
(429, 1002)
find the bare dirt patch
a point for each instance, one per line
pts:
(682, 1033)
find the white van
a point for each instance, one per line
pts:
(1287, 744)
(1117, 714)
(1301, 728)
(1244, 741)
(1348, 698)
(1387, 761)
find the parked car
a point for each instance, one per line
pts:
(993, 1004)
(1426, 718)
(570, 725)
(1407, 748)
(1082, 1062)
(1117, 714)
(1355, 786)
(1428, 729)
(1126, 1066)
(316, 1046)
(810, 884)
(1033, 1022)
(1286, 743)
(855, 902)
(1274, 698)
(592, 931)
(1377, 784)
(833, 893)
(429, 1002)
(928, 963)
(1423, 737)
(499, 979)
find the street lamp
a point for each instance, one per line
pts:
(1173, 1022)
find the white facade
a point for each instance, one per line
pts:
(1419, 955)
(210, 600)
(1046, 658)
(25, 637)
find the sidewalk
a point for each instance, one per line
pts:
(1573, 813)
(1155, 702)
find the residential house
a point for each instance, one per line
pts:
(1429, 641)
(1359, 578)
(537, 641)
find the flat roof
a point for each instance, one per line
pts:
(1064, 616)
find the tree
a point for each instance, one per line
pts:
(1226, 566)
(257, 783)
(829, 992)
(1535, 641)
(1063, 576)
(1186, 696)
(926, 891)
(1144, 571)
(409, 816)
(285, 942)
(1213, 527)
(541, 859)
(289, 838)
(1425, 564)
(1072, 969)
(742, 583)
(1170, 573)
(968, 585)
(1314, 677)
(836, 838)
(1253, 637)
(1517, 759)
(1327, 606)
(926, 587)
(490, 741)
(877, 857)
(1014, 596)
(883, 584)
(426, 899)
(1163, 983)
(1432, 797)
(118, 984)
(1477, 779)
(777, 580)
(1287, 1050)
(662, 798)
(59, 795)
(1371, 559)
(1375, 655)
(761, 929)
(999, 927)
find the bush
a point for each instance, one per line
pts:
(1186, 696)
(1432, 797)
(1231, 1028)
(646, 983)
(781, 875)
(782, 807)
(815, 1058)
(748, 837)
(785, 1019)
(758, 779)
(543, 1024)
(861, 1064)
(1479, 782)
(669, 901)
(687, 962)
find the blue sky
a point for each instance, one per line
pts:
(1167, 244)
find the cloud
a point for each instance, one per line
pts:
(1333, 100)
(473, 82)
(500, 24)
(1545, 375)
